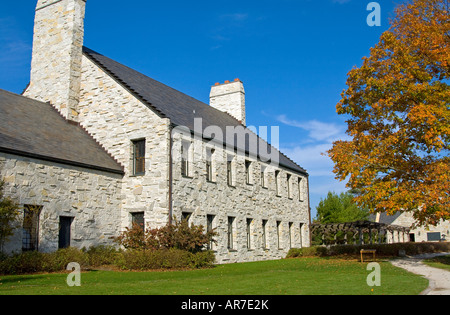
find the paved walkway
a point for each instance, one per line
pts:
(439, 278)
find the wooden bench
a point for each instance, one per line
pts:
(368, 251)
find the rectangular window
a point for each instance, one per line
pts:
(210, 228)
(248, 175)
(433, 236)
(264, 233)
(301, 231)
(279, 234)
(230, 241)
(300, 190)
(139, 157)
(277, 183)
(249, 233)
(209, 165)
(138, 219)
(290, 234)
(30, 230)
(65, 227)
(230, 170)
(186, 216)
(185, 148)
(263, 176)
(288, 183)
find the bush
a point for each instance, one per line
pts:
(163, 259)
(35, 262)
(178, 236)
(101, 255)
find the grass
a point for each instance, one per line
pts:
(305, 276)
(442, 262)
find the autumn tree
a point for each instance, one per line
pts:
(398, 104)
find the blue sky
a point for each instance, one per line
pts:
(292, 55)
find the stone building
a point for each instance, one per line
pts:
(93, 146)
(438, 233)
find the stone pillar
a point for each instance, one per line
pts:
(57, 55)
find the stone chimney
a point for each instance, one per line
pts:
(57, 54)
(229, 97)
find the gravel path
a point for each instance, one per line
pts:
(439, 278)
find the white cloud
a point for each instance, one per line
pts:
(318, 131)
(310, 153)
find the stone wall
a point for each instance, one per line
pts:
(91, 197)
(115, 118)
(194, 195)
(421, 233)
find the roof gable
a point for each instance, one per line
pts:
(35, 129)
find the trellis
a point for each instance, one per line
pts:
(376, 232)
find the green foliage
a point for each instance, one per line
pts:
(386, 250)
(339, 209)
(139, 260)
(172, 236)
(136, 260)
(35, 262)
(9, 212)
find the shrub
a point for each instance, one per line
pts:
(315, 251)
(101, 255)
(386, 250)
(163, 259)
(178, 236)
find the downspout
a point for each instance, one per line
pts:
(309, 210)
(170, 174)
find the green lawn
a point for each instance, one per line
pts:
(305, 276)
(442, 262)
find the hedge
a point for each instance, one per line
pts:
(35, 262)
(386, 250)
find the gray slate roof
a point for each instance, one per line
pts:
(35, 129)
(180, 108)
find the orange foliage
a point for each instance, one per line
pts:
(398, 102)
